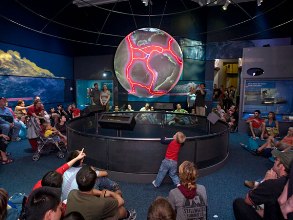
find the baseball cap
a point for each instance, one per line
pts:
(285, 157)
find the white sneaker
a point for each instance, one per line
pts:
(154, 184)
(132, 214)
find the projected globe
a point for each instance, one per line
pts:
(148, 62)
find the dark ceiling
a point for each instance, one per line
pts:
(105, 26)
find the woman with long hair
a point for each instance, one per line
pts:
(189, 200)
(271, 126)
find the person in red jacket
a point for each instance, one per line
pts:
(169, 164)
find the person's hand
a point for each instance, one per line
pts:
(81, 155)
(271, 175)
(5, 137)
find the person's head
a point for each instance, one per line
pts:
(256, 113)
(38, 103)
(152, 108)
(3, 101)
(73, 106)
(179, 137)
(178, 106)
(116, 109)
(3, 203)
(86, 178)
(105, 88)
(73, 216)
(62, 119)
(282, 161)
(147, 106)
(219, 107)
(96, 86)
(59, 107)
(20, 103)
(290, 131)
(272, 115)
(129, 107)
(69, 107)
(202, 85)
(52, 109)
(188, 174)
(161, 209)
(44, 204)
(52, 179)
(72, 155)
(37, 98)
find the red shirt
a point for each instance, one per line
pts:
(256, 122)
(60, 170)
(75, 112)
(33, 109)
(173, 150)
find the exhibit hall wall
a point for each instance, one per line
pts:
(270, 91)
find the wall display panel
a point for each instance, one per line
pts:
(193, 57)
(83, 88)
(21, 61)
(268, 95)
(51, 90)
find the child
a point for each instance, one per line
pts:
(189, 200)
(169, 164)
(50, 131)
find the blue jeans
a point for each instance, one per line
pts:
(106, 183)
(167, 166)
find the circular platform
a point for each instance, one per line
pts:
(135, 155)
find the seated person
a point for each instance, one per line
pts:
(54, 116)
(161, 209)
(267, 192)
(220, 112)
(146, 107)
(52, 132)
(284, 145)
(232, 118)
(20, 109)
(3, 145)
(60, 125)
(271, 126)
(179, 109)
(256, 125)
(104, 205)
(189, 200)
(54, 178)
(116, 108)
(44, 204)
(75, 111)
(7, 122)
(3, 203)
(129, 108)
(69, 177)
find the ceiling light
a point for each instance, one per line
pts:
(145, 2)
(259, 2)
(225, 6)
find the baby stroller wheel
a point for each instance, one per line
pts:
(60, 154)
(36, 157)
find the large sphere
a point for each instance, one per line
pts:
(148, 62)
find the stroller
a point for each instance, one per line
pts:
(44, 144)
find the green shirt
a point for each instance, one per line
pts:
(91, 207)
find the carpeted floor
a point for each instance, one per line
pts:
(222, 186)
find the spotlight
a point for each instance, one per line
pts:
(225, 6)
(145, 2)
(104, 74)
(259, 2)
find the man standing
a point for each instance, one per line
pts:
(7, 122)
(266, 193)
(95, 95)
(200, 100)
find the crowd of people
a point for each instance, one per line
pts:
(31, 122)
